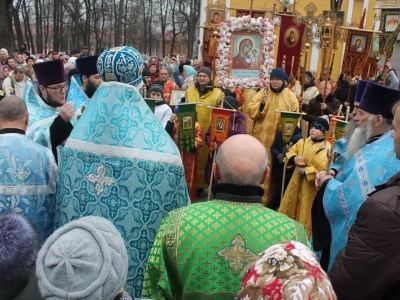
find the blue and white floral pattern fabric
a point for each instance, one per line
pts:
(41, 115)
(28, 179)
(357, 176)
(76, 94)
(119, 163)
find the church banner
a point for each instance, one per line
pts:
(186, 119)
(289, 122)
(390, 27)
(151, 103)
(208, 47)
(358, 45)
(339, 129)
(290, 44)
(219, 126)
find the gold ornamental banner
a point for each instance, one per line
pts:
(358, 44)
(390, 27)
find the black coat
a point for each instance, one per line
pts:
(369, 266)
(277, 148)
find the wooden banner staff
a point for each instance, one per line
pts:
(212, 168)
(324, 57)
(306, 47)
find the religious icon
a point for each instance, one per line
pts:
(391, 23)
(246, 51)
(288, 128)
(176, 96)
(216, 16)
(219, 125)
(187, 122)
(358, 43)
(291, 36)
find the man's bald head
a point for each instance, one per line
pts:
(241, 160)
(13, 113)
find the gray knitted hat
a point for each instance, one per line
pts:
(157, 86)
(85, 259)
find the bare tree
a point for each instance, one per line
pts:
(191, 14)
(6, 39)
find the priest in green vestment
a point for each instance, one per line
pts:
(202, 251)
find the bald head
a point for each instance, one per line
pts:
(241, 160)
(13, 113)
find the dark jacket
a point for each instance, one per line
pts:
(313, 108)
(342, 92)
(369, 266)
(277, 148)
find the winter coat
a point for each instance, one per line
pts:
(369, 266)
(313, 108)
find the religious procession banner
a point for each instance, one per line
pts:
(186, 119)
(219, 126)
(390, 27)
(151, 103)
(332, 128)
(358, 45)
(339, 129)
(289, 122)
(369, 70)
(290, 44)
(208, 47)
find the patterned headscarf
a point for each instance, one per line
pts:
(285, 271)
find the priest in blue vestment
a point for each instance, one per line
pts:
(120, 163)
(49, 115)
(28, 171)
(84, 85)
(368, 161)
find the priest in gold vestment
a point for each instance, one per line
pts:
(267, 122)
(206, 94)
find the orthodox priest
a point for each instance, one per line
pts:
(49, 115)
(368, 161)
(267, 122)
(120, 163)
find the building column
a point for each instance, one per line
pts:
(314, 53)
(203, 4)
(365, 6)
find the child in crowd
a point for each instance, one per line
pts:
(309, 157)
(162, 111)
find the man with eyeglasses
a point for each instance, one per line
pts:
(368, 160)
(50, 116)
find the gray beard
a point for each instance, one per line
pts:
(349, 129)
(358, 139)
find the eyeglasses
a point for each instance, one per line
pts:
(57, 88)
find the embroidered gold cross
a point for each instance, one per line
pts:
(237, 255)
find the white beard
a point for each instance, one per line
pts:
(358, 138)
(349, 129)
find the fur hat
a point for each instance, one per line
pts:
(84, 259)
(205, 70)
(157, 86)
(122, 64)
(378, 99)
(87, 65)
(284, 269)
(19, 245)
(321, 124)
(278, 73)
(50, 72)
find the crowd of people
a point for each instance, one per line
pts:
(100, 200)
